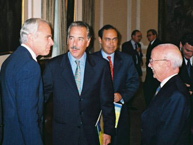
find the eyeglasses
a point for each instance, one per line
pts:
(151, 60)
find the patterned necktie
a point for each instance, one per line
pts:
(78, 76)
(111, 65)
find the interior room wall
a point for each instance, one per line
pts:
(126, 16)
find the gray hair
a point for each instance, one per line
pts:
(30, 26)
(80, 24)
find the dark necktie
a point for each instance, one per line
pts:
(111, 65)
(188, 66)
(136, 53)
(78, 76)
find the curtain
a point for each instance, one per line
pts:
(88, 17)
(54, 11)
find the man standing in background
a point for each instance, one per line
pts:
(150, 83)
(21, 82)
(125, 79)
(133, 47)
(186, 71)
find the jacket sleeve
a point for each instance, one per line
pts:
(27, 99)
(131, 82)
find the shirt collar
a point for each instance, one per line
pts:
(82, 59)
(166, 80)
(133, 43)
(104, 54)
(152, 42)
(30, 51)
(187, 60)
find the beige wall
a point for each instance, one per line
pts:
(126, 16)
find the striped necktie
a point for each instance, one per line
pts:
(111, 65)
(78, 76)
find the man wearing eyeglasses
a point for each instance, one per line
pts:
(150, 83)
(186, 71)
(166, 120)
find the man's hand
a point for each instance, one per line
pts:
(188, 86)
(117, 97)
(106, 139)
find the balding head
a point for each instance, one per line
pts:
(166, 60)
(170, 52)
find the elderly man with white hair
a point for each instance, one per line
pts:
(166, 120)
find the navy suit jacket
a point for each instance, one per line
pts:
(127, 47)
(22, 99)
(166, 120)
(73, 111)
(125, 82)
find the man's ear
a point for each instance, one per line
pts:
(100, 40)
(88, 42)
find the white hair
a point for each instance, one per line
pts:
(172, 53)
(30, 27)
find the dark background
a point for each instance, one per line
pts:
(175, 19)
(10, 25)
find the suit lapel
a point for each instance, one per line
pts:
(117, 66)
(88, 74)
(67, 74)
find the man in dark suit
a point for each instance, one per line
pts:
(22, 89)
(1, 120)
(125, 79)
(186, 72)
(150, 83)
(133, 47)
(166, 120)
(81, 85)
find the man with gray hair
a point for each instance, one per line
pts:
(166, 120)
(81, 86)
(22, 89)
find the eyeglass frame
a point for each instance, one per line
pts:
(152, 60)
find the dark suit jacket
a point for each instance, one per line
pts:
(126, 82)
(188, 80)
(184, 75)
(127, 47)
(22, 98)
(73, 112)
(1, 120)
(165, 121)
(150, 84)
